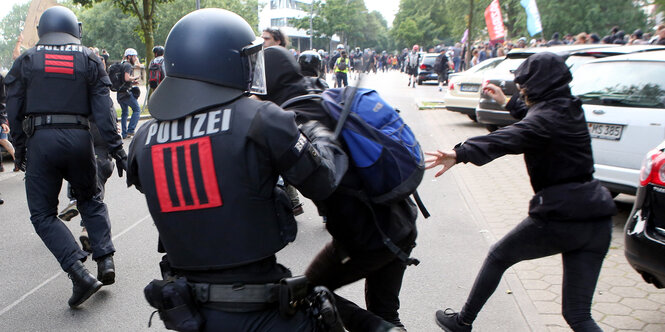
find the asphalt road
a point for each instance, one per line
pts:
(34, 291)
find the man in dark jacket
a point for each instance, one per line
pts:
(570, 212)
(357, 250)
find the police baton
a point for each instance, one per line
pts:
(348, 102)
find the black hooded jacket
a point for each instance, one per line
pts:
(349, 220)
(554, 138)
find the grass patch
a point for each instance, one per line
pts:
(144, 111)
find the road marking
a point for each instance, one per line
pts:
(15, 303)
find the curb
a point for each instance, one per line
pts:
(430, 104)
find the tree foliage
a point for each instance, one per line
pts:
(430, 22)
(349, 20)
(10, 28)
(106, 25)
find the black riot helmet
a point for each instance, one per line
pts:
(58, 26)
(211, 57)
(310, 63)
(158, 50)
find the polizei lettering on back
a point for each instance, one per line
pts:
(61, 48)
(192, 126)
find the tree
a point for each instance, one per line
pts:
(346, 18)
(144, 11)
(107, 25)
(10, 29)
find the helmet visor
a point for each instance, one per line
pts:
(257, 67)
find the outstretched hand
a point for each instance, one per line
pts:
(447, 159)
(495, 93)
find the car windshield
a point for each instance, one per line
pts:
(429, 60)
(509, 65)
(634, 84)
(485, 65)
(575, 61)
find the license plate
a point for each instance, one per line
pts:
(605, 131)
(469, 87)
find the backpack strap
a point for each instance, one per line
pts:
(421, 205)
(298, 99)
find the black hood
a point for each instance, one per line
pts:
(283, 77)
(544, 76)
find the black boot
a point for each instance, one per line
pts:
(84, 282)
(106, 270)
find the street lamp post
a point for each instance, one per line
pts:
(311, 29)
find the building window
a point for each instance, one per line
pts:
(283, 4)
(278, 22)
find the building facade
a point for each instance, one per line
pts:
(276, 14)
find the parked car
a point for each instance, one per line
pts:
(464, 88)
(645, 229)
(624, 104)
(578, 58)
(492, 114)
(426, 68)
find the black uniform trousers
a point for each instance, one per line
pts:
(266, 320)
(383, 273)
(583, 245)
(54, 154)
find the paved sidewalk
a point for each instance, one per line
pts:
(499, 193)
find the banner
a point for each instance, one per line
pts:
(37, 7)
(494, 21)
(533, 23)
(466, 35)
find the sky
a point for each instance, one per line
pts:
(387, 8)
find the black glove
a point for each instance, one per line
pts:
(120, 157)
(19, 160)
(315, 131)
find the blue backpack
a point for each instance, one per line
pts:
(380, 144)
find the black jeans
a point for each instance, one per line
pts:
(583, 245)
(383, 273)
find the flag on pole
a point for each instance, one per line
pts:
(466, 35)
(533, 23)
(494, 21)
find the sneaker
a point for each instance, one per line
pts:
(130, 135)
(448, 320)
(85, 241)
(2, 201)
(440, 88)
(69, 212)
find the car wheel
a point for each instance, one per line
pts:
(491, 128)
(473, 117)
(420, 82)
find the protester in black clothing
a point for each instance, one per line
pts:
(357, 250)
(53, 88)
(211, 157)
(570, 212)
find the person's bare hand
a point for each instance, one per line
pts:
(495, 93)
(447, 159)
(5, 128)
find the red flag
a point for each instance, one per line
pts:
(494, 21)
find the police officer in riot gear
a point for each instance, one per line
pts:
(51, 90)
(208, 165)
(312, 68)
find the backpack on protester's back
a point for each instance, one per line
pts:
(116, 76)
(341, 64)
(155, 73)
(380, 144)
